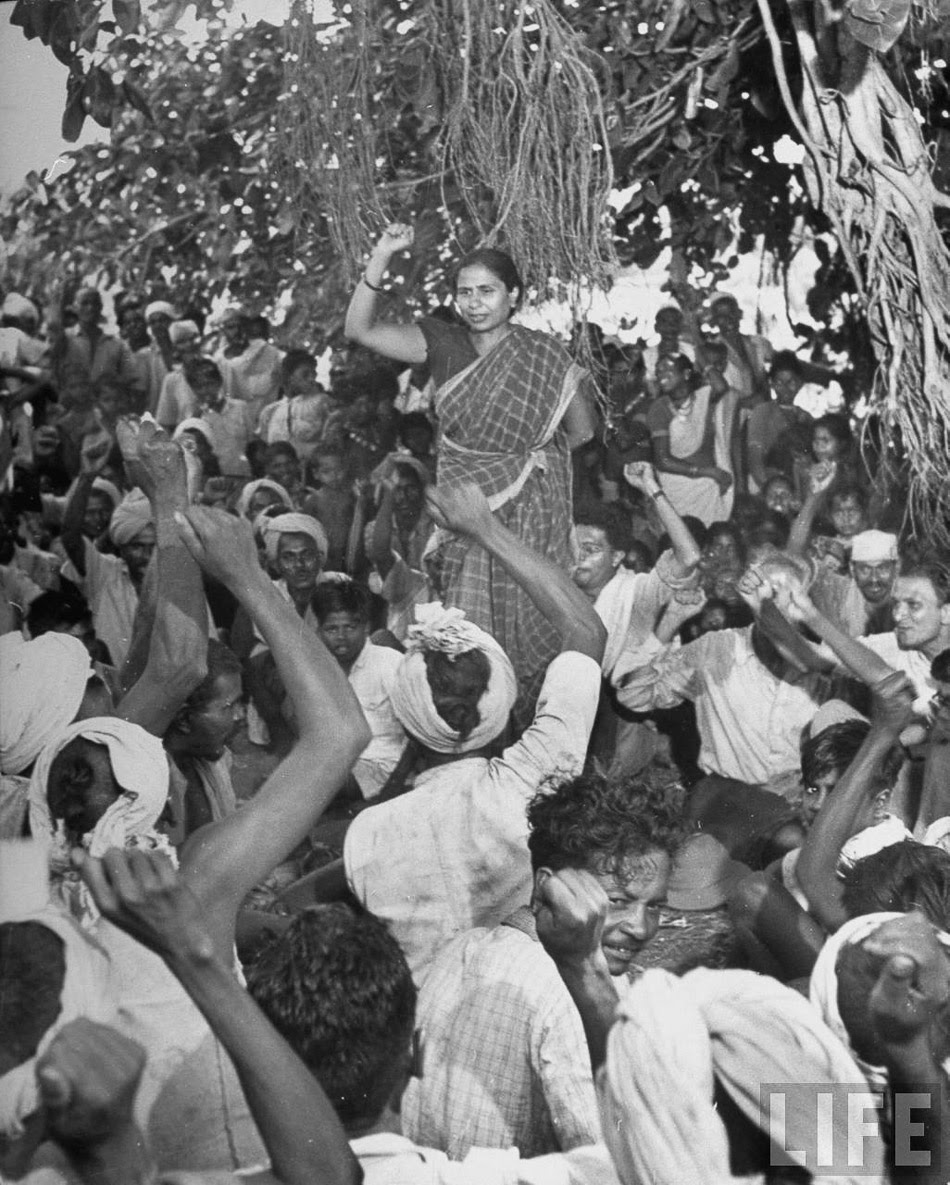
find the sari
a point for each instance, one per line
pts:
(704, 434)
(498, 426)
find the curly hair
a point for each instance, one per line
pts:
(337, 987)
(899, 878)
(600, 821)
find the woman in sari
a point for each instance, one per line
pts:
(511, 405)
(692, 430)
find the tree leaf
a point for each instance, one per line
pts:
(75, 114)
(876, 23)
(128, 15)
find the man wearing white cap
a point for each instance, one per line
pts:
(156, 359)
(176, 400)
(250, 366)
(861, 602)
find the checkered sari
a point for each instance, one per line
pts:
(498, 420)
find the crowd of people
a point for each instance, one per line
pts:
(496, 766)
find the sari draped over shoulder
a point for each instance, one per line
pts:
(498, 426)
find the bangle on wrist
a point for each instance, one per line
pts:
(371, 287)
(657, 493)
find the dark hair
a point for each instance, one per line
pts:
(337, 987)
(643, 550)
(340, 596)
(457, 684)
(788, 361)
(608, 518)
(280, 448)
(901, 877)
(417, 420)
(725, 530)
(221, 660)
(51, 609)
(773, 527)
(32, 973)
(838, 425)
(72, 791)
(499, 263)
(770, 481)
(294, 359)
(683, 364)
(939, 668)
(848, 489)
(201, 367)
(603, 822)
(832, 750)
(932, 570)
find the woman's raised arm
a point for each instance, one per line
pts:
(403, 343)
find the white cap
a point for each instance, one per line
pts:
(873, 547)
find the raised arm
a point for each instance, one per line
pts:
(225, 860)
(167, 659)
(93, 457)
(381, 541)
(863, 663)
(404, 343)
(686, 554)
(465, 509)
(142, 893)
(820, 478)
(836, 821)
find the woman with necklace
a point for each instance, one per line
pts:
(511, 406)
(691, 429)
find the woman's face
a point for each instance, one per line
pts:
(485, 304)
(824, 445)
(668, 376)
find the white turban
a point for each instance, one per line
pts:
(160, 307)
(194, 424)
(41, 687)
(139, 765)
(671, 1040)
(262, 483)
(86, 993)
(293, 524)
(130, 517)
(448, 631)
(182, 331)
(110, 489)
(15, 305)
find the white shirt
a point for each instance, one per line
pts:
(750, 722)
(112, 597)
(371, 678)
(452, 854)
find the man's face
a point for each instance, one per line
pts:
(726, 316)
(847, 516)
(284, 470)
(235, 331)
(780, 496)
(132, 325)
(597, 561)
(786, 386)
(212, 726)
(407, 492)
(344, 635)
(207, 390)
(298, 561)
(303, 379)
(138, 552)
(636, 892)
(88, 307)
(330, 472)
(668, 324)
(186, 348)
(918, 615)
(98, 513)
(813, 797)
(875, 580)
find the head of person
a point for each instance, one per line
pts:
(133, 532)
(848, 511)
(61, 612)
(264, 494)
(18, 312)
(112, 399)
(786, 377)
(298, 552)
(258, 327)
(337, 987)
(898, 878)
(88, 307)
(638, 557)
(158, 317)
(132, 327)
(726, 315)
(204, 377)
(771, 531)
(185, 338)
(714, 615)
(409, 489)
(342, 610)
(724, 547)
(234, 328)
(829, 553)
(940, 674)
(416, 433)
(487, 289)
(99, 507)
(874, 564)
(717, 355)
(603, 538)
(827, 755)
(668, 323)
(831, 438)
(623, 831)
(674, 375)
(920, 608)
(329, 468)
(779, 494)
(455, 687)
(298, 373)
(194, 436)
(214, 712)
(281, 464)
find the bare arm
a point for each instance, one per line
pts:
(404, 343)
(465, 509)
(862, 662)
(837, 819)
(381, 543)
(686, 553)
(580, 419)
(95, 452)
(225, 860)
(143, 894)
(935, 794)
(820, 478)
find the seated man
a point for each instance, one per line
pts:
(342, 613)
(506, 1062)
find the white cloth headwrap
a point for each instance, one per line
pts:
(140, 767)
(293, 524)
(132, 515)
(194, 424)
(41, 687)
(160, 306)
(449, 631)
(673, 1036)
(242, 505)
(15, 305)
(86, 992)
(182, 331)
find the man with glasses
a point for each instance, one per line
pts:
(861, 601)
